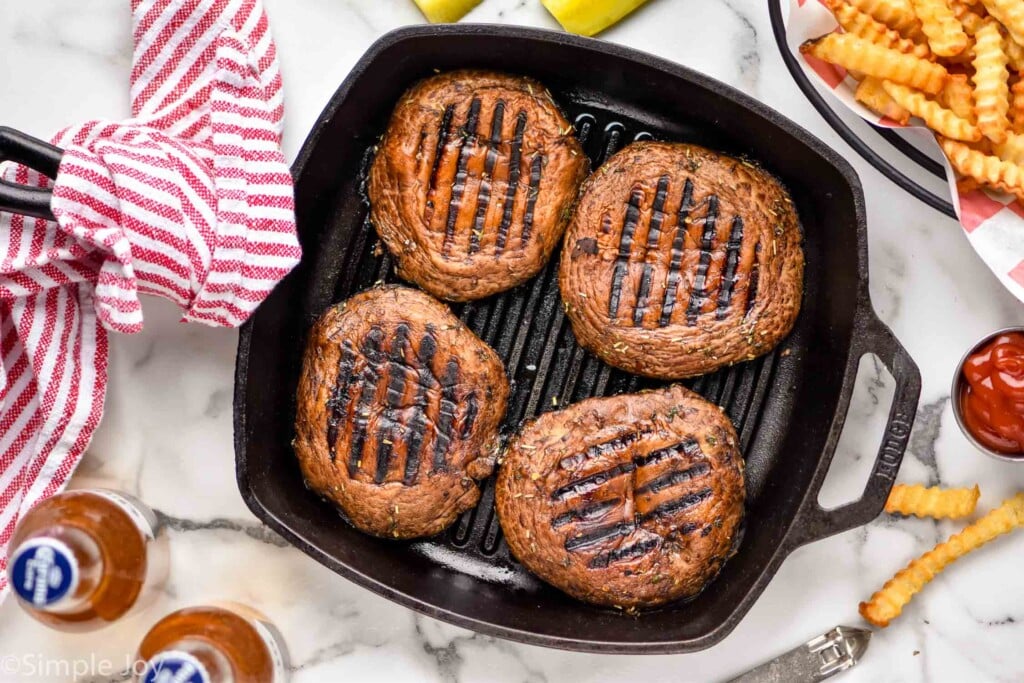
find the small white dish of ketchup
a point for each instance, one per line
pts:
(988, 394)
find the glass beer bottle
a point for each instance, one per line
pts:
(82, 559)
(220, 643)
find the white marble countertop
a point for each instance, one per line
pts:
(167, 436)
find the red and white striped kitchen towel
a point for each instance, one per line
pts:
(190, 199)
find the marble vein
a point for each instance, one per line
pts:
(746, 50)
(925, 434)
(255, 531)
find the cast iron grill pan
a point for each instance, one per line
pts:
(787, 406)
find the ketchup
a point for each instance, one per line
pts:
(992, 398)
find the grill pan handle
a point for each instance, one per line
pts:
(39, 156)
(813, 522)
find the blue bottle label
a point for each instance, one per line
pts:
(43, 572)
(174, 666)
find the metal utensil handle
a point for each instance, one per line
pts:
(36, 154)
(814, 522)
(820, 658)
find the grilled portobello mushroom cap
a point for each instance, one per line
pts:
(679, 261)
(474, 182)
(628, 501)
(399, 405)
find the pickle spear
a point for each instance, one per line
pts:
(445, 11)
(589, 17)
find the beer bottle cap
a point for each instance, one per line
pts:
(43, 572)
(174, 666)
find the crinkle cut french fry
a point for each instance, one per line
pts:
(991, 89)
(1017, 106)
(982, 146)
(1014, 53)
(935, 502)
(856, 54)
(888, 603)
(940, 120)
(969, 19)
(864, 25)
(946, 36)
(985, 168)
(1012, 149)
(896, 14)
(962, 60)
(965, 185)
(1009, 13)
(872, 95)
(958, 96)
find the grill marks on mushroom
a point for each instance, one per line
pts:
(667, 234)
(473, 182)
(504, 164)
(512, 185)
(679, 260)
(577, 494)
(605, 498)
(398, 414)
(403, 369)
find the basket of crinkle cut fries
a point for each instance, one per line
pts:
(953, 66)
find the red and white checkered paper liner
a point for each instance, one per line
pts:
(993, 222)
